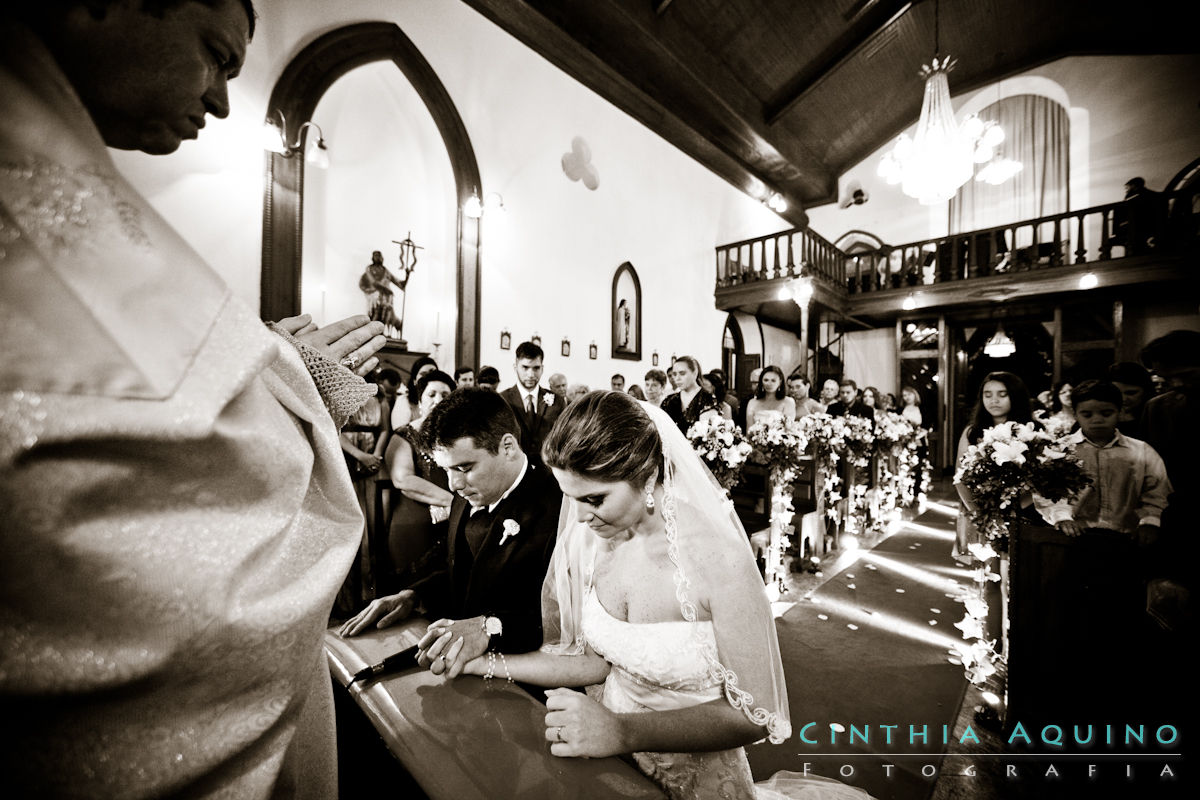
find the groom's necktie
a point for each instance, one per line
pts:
(530, 417)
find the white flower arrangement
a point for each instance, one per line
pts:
(722, 447)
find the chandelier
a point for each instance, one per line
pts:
(932, 165)
(999, 345)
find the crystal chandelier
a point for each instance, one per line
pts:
(999, 345)
(941, 157)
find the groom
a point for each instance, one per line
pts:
(536, 408)
(503, 525)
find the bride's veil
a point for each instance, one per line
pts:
(712, 558)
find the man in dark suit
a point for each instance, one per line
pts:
(848, 402)
(536, 408)
(503, 525)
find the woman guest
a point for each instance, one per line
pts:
(872, 398)
(690, 400)
(636, 392)
(715, 385)
(1061, 417)
(656, 384)
(770, 399)
(418, 522)
(910, 398)
(1136, 388)
(654, 596)
(364, 440)
(405, 412)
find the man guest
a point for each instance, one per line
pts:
(536, 408)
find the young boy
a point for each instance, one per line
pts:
(1129, 480)
(1098, 617)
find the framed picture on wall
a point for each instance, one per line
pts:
(505, 340)
(626, 314)
(566, 348)
(593, 351)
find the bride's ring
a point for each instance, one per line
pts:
(558, 734)
(350, 361)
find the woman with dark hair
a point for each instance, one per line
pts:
(653, 595)
(1061, 417)
(418, 521)
(689, 400)
(405, 412)
(1002, 398)
(771, 400)
(715, 385)
(1136, 388)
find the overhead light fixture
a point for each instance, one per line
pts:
(476, 208)
(1000, 345)
(473, 208)
(776, 203)
(941, 156)
(1088, 280)
(275, 140)
(909, 303)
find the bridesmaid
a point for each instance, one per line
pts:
(770, 398)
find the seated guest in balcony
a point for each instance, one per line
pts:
(502, 527)
(770, 399)
(656, 384)
(715, 385)
(1136, 387)
(1140, 219)
(849, 403)
(798, 388)
(690, 400)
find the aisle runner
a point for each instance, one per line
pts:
(871, 650)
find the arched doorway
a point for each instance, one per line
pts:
(303, 82)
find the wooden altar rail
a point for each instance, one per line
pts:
(1083, 236)
(463, 739)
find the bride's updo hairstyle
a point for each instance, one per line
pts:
(605, 436)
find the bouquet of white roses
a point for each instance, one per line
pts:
(779, 443)
(1010, 461)
(722, 446)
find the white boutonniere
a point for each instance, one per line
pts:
(548, 398)
(511, 529)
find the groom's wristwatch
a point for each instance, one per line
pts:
(492, 626)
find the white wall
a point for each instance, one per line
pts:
(871, 359)
(1130, 115)
(547, 262)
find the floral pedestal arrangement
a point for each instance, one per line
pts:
(780, 445)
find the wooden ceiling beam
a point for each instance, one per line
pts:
(874, 21)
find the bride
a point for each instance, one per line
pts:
(653, 600)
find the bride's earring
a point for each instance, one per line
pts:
(650, 496)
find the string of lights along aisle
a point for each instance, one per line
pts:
(942, 155)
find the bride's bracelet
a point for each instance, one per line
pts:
(491, 668)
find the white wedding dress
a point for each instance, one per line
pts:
(659, 666)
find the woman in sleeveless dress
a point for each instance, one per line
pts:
(771, 400)
(654, 602)
(418, 521)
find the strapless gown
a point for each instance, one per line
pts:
(659, 666)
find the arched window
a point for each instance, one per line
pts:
(1038, 134)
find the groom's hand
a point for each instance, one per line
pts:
(578, 726)
(449, 644)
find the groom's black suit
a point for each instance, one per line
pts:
(483, 577)
(536, 425)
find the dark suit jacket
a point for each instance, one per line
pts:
(549, 407)
(859, 409)
(503, 581)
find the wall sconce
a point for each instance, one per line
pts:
(505, 339)
(776, 203)
(654, 358)
(909, 303)
(593, 351)
(275, 140)
(536, 338)
(474, 208)
(566, 348)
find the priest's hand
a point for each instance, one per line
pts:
(352, 342)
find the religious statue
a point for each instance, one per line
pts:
(376, 283)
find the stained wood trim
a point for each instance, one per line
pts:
(303, 82)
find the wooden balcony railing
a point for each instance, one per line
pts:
(781, 255)
(1085, 236)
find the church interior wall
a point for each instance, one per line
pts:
(547, 261)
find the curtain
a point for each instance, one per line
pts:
(1037, 133)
